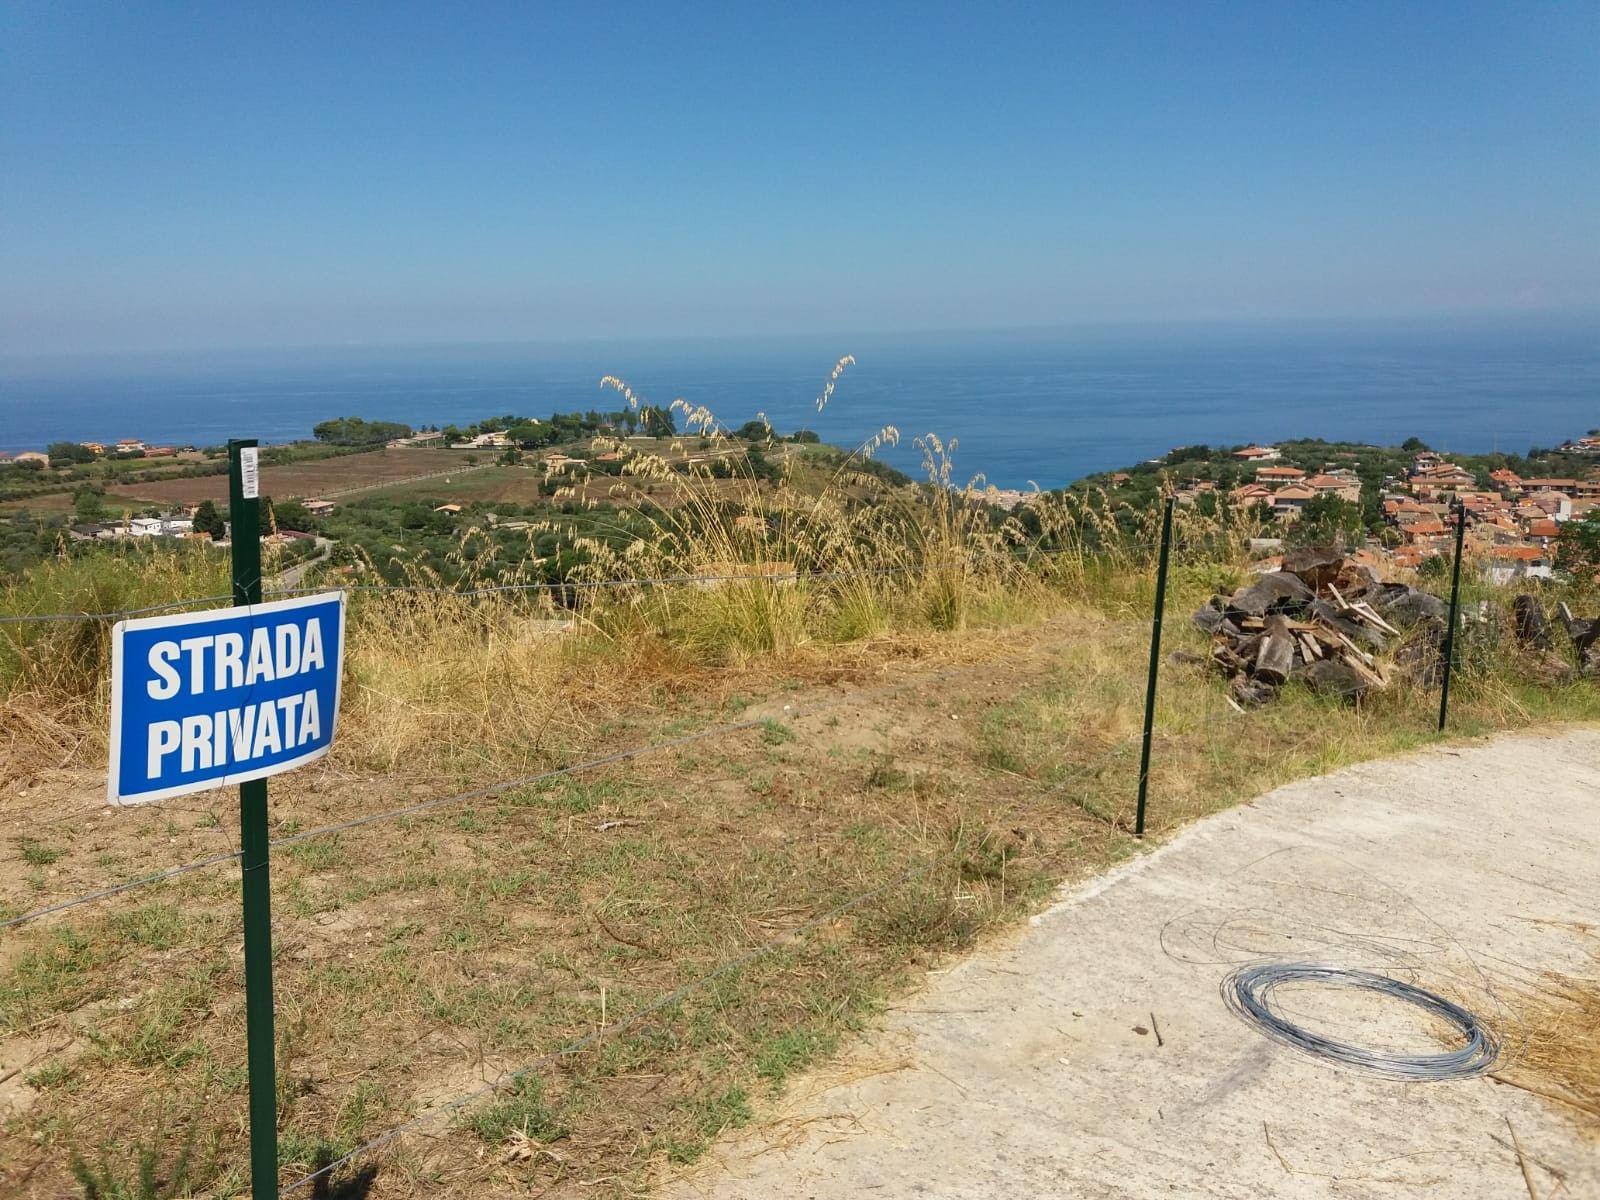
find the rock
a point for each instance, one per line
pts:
(1208, 619)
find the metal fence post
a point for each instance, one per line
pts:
(1455, 603)
(1155, 664)
(244, 533)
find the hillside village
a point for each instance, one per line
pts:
(1403, 504)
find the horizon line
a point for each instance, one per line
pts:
(1580, 313)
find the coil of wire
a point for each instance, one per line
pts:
(1249, 992)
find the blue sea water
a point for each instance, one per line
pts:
(1026, 406)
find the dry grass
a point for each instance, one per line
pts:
(1554, 1041)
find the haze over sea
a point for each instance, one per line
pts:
(1034, 405)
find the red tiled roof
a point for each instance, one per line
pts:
(1517, 553)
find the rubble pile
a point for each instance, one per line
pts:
(1327, 620)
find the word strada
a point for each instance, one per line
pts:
(271, 658)
(225, 662)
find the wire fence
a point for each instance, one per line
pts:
(533, 586)
(466, 797)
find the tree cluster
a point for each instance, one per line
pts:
(356, 431)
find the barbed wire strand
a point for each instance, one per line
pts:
(118, 614)
(483, 792)
(371, 818)
(683, 991)
(493, 589)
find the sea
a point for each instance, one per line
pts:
(1019, 407)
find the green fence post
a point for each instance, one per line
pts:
(1455, 602)
(1155, 664)
(244, 533)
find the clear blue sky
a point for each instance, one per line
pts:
(187, 175)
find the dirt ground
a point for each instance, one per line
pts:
(1094, 1055)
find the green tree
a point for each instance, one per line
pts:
(65, 454)
(528, 435)
(208, 521)
(291, 514)
(1414, 445)
(1329, 520)
(355, 431)
(658, 422)
(88, 504)
(1578, 547)
(754, 431)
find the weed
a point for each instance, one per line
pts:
(522, 1109)
(775, 733)
(884, 774)
(709, 1116)
(148, 1180)
(37, 854)
(52, 1074)
(318, 853)
(783, 1055)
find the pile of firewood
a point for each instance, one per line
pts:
(1326, 620)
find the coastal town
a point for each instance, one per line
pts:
(1511, 525)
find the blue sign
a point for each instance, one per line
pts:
(207, 699)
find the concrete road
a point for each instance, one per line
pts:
(1035, 1069)
(287, 581)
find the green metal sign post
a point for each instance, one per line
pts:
(244, 529)
(1155, 667)
(1455, 604)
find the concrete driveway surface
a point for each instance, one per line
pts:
(1094, 1055)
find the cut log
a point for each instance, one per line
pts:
(1275, 658)
(1355, 631)
(1315, 566)
(1405, 606)
(1275, 590)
